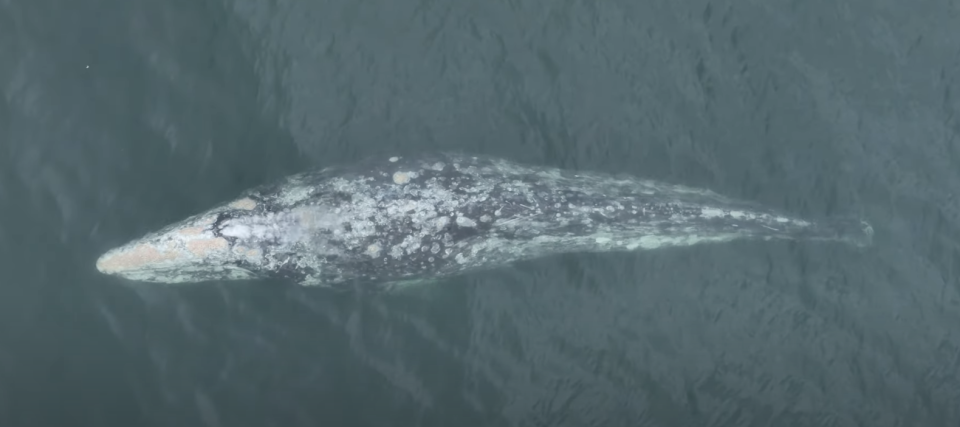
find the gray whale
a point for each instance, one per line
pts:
(403, 219)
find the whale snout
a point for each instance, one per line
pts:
(187, 252)
(135, 257)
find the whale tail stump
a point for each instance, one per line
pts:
(854, 231)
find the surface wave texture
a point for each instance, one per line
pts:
(118, 118)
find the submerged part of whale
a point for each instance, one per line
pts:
(405, 219)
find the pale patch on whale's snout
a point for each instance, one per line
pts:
(141, 256)
(183, 253)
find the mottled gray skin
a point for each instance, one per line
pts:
(403, 219)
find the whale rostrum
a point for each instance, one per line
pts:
(401, 219)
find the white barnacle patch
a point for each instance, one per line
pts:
(465, 222)
(685, 238)
(401, 177)
(245, 230)
(711, 213)
(394, 159)
(396, 251)
(245, 203)
(309, 219)
(485, 218)
(373, 250)
(423, 214)
(363, 228)
(441, 222)
(296, 194)
(410, 244)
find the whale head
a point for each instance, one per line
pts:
(192, 250)
(225, 243)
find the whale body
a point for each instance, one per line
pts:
(403, 219)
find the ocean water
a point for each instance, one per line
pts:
(119, 117)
